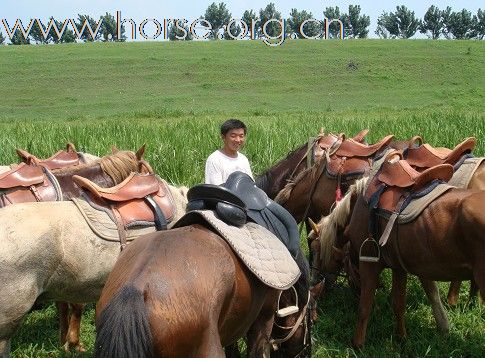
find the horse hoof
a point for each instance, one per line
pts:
(357, 345)
(79, 348)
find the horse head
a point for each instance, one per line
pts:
(327, 240)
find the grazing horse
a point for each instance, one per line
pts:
(107, 171)
(445, 242)
(184, 292)
(48, 251)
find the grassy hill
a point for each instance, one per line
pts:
(168, 79)
(173, 96)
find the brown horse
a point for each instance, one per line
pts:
(476, 182)
(275, 178)
(106, 171)
(183, 292)
(445, 242)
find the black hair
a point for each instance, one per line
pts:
(232, 124)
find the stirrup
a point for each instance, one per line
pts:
(370, 258)
(283, 312)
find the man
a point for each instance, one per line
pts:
(227, 160)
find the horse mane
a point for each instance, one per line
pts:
(337, 218)
(118, 165)
(311, 172)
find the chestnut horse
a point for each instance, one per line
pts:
(275, 178)
(445, 242)
(184, 293)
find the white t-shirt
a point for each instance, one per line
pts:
(219, 166)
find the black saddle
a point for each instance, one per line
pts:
(240, 198)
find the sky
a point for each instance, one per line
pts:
(139, 10)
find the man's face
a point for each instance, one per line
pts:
(234, 139)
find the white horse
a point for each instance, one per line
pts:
(49, 252)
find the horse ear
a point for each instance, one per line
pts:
(317, 290)
(314, 227)
(321, 134)
(114, 149)
(140, 152)
(70, 148)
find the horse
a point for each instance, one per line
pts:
(274, 179)
(445, 242)
(183, 292)
(106, 171)
(54, 255)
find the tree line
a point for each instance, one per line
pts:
(401, 23)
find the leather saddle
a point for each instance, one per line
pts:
(349, 158)
(239, 200)
(326, 141)
(425, 156)
(61, 159)
(396, 181)
(141, 199)
(28, 183)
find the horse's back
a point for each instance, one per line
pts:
(192, 285)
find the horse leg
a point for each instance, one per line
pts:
(454, 292)
(369, 278)
(473, 290)
(259, 334)
(232, 351)
(399, 281)
(5, 348)
(439, 313)
(74, 328)
(211, 344)
(479, 278)
(63, 309)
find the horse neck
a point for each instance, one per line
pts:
(275, 178)
(92, 172)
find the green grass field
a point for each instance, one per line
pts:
(173, 96)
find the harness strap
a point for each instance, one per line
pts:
(311, 144)
(120, 227)
(160, 221)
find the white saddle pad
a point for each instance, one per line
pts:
(260, 250)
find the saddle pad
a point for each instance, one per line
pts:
(260, 250)
(103, 225)
(462, 176)
(416, 206)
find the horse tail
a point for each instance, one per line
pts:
(123, 330)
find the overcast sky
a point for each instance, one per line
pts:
(138, 10)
